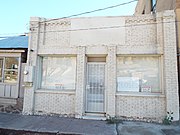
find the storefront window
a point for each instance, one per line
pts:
(138, 74)
(58, 73)
(9, 69)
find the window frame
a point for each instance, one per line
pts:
(40, 73)
(160, 66)
(3, 58)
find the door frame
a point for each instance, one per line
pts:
(105, 86)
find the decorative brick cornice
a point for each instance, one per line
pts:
(140, 20)
(59, 23)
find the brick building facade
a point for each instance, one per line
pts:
(103, 66)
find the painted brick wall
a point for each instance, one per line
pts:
(28, 99)
(54, 34)
(111, 83)
(80, 83)
(54, 103)
(170, 64)
(140, 35)
(141, 107)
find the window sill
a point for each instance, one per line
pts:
(6, 83)
(55, 91)
(130, 94)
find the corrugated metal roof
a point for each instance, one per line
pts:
(14, 42)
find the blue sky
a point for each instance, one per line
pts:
(15, 14)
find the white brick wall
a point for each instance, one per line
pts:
(55, 103)
(170, 64)
(80, 83)
(28, 101)
(111, 83)
(142, 35)
(141, 30)
(140, 107)
(53, 35)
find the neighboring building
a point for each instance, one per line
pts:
(13, 55)
(103, 66)
(149, 6)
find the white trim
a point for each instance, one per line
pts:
(57, 55)
(105, 89)
(5, 83)
(104, 103)
(139, 55)
(138, 94)
(161, 71)
(160, 68)
(55, 91)
(3, 76)
(98, 63)
(10, 54)
(12, 51)
(19, 76)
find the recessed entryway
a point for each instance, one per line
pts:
(95, 85)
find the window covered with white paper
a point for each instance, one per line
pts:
(58, 73)
(138, 74)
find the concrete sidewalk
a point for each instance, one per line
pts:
(53, 124)
(58, 125)
(143, 128)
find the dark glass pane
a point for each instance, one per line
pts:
(10, 76)
(11, 63)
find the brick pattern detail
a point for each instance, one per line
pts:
(170, 64)
(80, 82)
(140, 35)
(55, 103)
(146, 36)
(34, 43)
(160, 37)
(111, 83)
(140, 107)
(54, 34)
(141, 19)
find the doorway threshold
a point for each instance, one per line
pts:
(94, 116)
